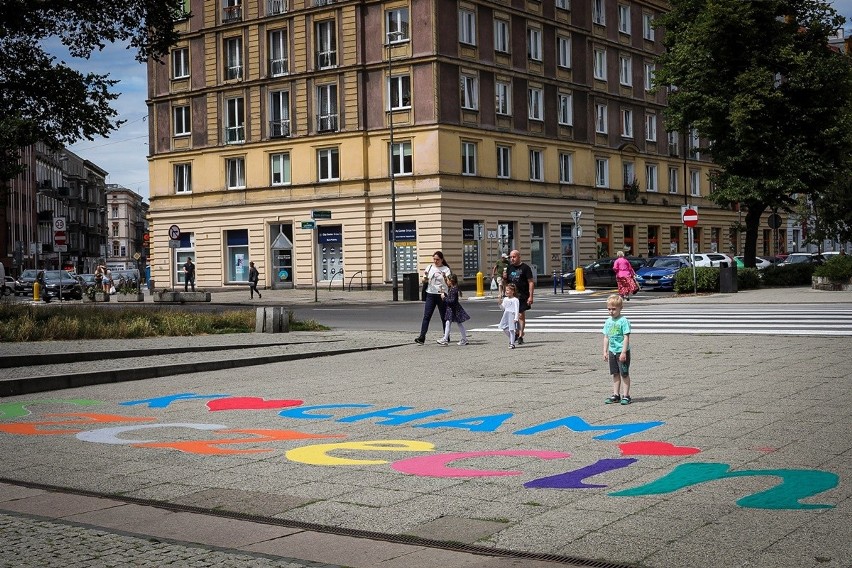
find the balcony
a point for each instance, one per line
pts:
(232, 14)
(235, 134)
(279, 128)
(275, 7)
(233, 72)
(326, 59)
(277, 67)
(322, 2)
(326, 123)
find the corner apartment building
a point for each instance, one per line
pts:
(476, 125)
(127, 224)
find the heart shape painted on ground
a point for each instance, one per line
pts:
(655, 449)
(249, 403)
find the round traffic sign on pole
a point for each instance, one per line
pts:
(690, 217)
(174, 232)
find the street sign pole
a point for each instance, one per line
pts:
(689, 216)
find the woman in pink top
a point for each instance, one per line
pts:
(624, 276)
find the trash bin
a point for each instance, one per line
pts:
(728, 280)
(411, 287)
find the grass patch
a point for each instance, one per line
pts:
(23, 322)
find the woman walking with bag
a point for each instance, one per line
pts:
(625, 276)
(435, 282)
(254, 277)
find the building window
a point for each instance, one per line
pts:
(233, 58)
(180, 63)
(563, 4)
(326, 41)
(327, 108)
(566, 167)
(598, 12)
(673, 143)
(279, 168)
(625, 70)
(563, 52)
(183, 178)
(599, 64)
(624, 19)
(651, 177)
(235, 173)
(279, 114)
(501, 36)
(468, 158)
(400, 92)
(276, 7)
(278, 53)
(601, 172)
(328, 162)
(235, 120)
(182, 126)
(651, 127)
(402, 159)
(649, 76)
(600, 118)
(116, 248)
(536, 165)
(694, 144)
(694, 183)
(467, 27)
(232, 11)
(115, 229)
(648, 27)
(534, 44)
(504, 162)
(237, 242)
(396, 24)
(535, 104)
(673, 177)
(566, 109)
(469, 98)
(626, 123)
(503, 96)
(628, 170)
(538, 250)
(114, 212)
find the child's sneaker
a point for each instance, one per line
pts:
(442, 341)
(511, 346)
(625, 400)
(614, 399)
(463, 342)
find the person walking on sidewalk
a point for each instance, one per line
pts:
(616, 350)
(625, 276)
(509, 322)
(253, 278)
(434, 278)
(453, 311)
(520, 274)
(188, 275)
(498, 271)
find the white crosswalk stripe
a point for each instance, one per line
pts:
(691, 319)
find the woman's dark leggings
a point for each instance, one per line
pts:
(432, 301)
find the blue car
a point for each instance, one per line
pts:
(659, 272)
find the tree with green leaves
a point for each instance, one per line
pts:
(759, 81)
(45, 100)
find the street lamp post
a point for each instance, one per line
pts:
(575, 215)
(394, 260)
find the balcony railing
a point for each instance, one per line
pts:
(274, 7)
(322, 2)
(232, 14)
(235, 134)
(279, 128)
(277, 67)
(233, 72)
(326, 122)
(326, 59)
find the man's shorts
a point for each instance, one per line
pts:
(523, 305)
(616, 367)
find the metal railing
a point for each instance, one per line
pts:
(274, 7)
(279, 128)
(326, 122)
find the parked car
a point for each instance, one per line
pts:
(61, 281)
(86, 281)
(712, 259)
(8, 285)
(659, 272)
(24, 282)
(803, 258)
(599, 274)
(830, 253)
(759, 262)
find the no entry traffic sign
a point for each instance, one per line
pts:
(690, 217)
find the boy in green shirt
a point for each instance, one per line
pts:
(616, 350)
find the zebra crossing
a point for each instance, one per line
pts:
(695, 319)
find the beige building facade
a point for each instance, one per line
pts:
(483, 125)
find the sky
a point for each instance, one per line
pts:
(124, 153)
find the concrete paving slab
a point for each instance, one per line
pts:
(58, 505)
(457, 529)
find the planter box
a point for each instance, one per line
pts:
(138, 297)
(181, 297)
(99, 297)
(829, 285)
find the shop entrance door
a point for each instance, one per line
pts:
(282, 262)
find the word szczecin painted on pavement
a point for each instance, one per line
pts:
(795, 485)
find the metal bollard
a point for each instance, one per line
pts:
(36, 292)
(579, 284)
(480, 284)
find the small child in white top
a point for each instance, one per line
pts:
(511, 307)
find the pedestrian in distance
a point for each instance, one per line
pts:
(616, 350)
(625, 276)
(453, 311)
(253, 278)
(510, 306)
(188, 275)
(520, 274)
(434, 278)
(498, 270)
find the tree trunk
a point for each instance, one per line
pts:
(755, 210)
